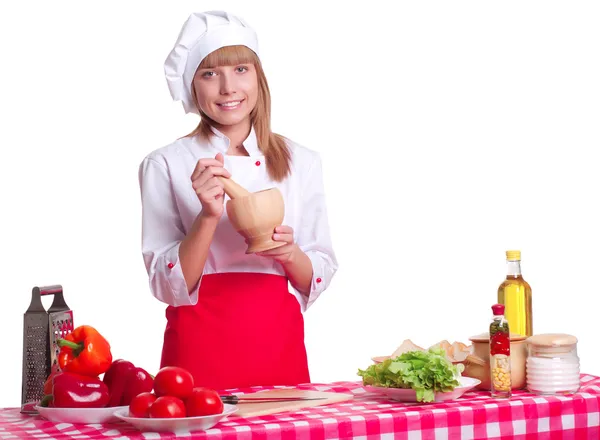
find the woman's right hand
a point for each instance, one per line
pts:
(208, 187)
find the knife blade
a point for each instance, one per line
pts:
(233, 400)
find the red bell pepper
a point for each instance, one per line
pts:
(48, 383)
(116, 380)
(125, 381)
(138, 381)
(84, 351)
(70, 390)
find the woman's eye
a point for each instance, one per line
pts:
(241, 69)
(208, 74)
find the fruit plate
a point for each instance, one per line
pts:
(410, 395)
(80, 415)
(182, 425)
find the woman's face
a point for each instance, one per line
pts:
(227, 94)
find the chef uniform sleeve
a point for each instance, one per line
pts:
(314, 236)
(162, 233)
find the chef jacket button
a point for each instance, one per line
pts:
(257, 163)
(319, 280)
(170, 265)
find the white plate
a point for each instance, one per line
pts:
(178, 426)
(410, 395)
(80, 415)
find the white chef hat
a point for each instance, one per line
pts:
(201, 34)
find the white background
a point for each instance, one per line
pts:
(450, 132)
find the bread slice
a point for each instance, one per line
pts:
(456, 352)
(444, 345)
(460, 352)
(406, 346)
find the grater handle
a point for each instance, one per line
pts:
(35, 306)
(50, 290)
(58, 304)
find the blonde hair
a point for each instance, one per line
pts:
(273, 146)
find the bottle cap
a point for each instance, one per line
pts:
(498, 309)
(513, 255)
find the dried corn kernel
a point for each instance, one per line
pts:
(501, 380)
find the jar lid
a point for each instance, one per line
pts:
(485, 337)
(552, 340)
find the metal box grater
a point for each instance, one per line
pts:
(41, 330)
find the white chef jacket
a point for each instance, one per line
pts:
(170, 206)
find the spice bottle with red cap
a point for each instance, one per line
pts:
(500, 354)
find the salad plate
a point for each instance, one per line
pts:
(410, 395)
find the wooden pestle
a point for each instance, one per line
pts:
(232, 189)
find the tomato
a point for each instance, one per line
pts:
(203, 402)
(173, 381)
(167, 407)
(140, 404)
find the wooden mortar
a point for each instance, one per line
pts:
(254, 215)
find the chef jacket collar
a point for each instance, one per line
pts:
(221, 142)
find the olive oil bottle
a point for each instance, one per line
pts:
(515, 294)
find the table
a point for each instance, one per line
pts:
(368, 416)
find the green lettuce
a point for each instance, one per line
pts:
(426, 372)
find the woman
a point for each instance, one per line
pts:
(231, 320)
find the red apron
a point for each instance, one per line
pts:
(246, 330)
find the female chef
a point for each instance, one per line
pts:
(231, 319)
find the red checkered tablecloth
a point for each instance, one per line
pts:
(368, 416)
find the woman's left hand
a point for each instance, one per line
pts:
(283, 254)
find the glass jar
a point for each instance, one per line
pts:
(500, 371)
(552, 364)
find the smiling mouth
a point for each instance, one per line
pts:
(230, 104)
